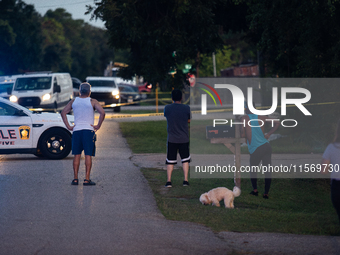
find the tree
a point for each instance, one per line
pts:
(57, 49)
(153, 30)
(21, 37)
(29, 42)
(297, 38)
(300, 38)
(86, 46)
(224, 58)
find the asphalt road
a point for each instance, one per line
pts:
(41, 213)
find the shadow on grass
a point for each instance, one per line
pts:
(297, 206)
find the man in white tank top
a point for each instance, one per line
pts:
(83, 138)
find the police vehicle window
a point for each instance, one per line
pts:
(55, 83)
(99, 83)
(33, 83)
(7, 110)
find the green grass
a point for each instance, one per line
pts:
(146, 136)
(151, 137)
(298, 206)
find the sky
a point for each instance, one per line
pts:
(76, 8)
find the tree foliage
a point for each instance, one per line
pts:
(224, 58)
(20, 47)
(56, 48)
(298, 38)
(56, 42)
(153, 30)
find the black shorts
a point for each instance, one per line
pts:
(182, 148)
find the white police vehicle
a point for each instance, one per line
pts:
(41, 134)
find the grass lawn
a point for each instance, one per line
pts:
(146, 136)
(151, 137)
(299, 206)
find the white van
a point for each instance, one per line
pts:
(48, 91)
(106, 91)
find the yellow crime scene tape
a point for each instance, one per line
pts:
(211, 111)
(166, 101)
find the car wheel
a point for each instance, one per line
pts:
(55, 144)
(116, 109)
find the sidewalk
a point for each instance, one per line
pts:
(157, 160)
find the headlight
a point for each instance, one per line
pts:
(115, 94)
(13, 99)
(46, 97)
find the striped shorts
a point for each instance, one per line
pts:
(173, 148)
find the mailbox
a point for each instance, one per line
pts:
(220, 131)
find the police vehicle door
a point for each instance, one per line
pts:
(15, 128)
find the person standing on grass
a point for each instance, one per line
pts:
(178, 116)
(331, 158)
(258, 146)
(84, 137)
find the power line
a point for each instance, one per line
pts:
(58, 5)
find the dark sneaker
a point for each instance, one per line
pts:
(185, 183)
(88, 183)
(168, 185)
(254, 193)
(265, 196)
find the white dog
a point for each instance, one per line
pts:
(214, 196)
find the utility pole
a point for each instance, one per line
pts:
(214, 63)
(198, 65)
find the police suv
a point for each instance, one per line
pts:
(41, 134)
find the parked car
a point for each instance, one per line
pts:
(75, 84)
(49, 91)
(106, 91)
(41, 134)
(6, 85)
(146, 87)
(129, 94)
